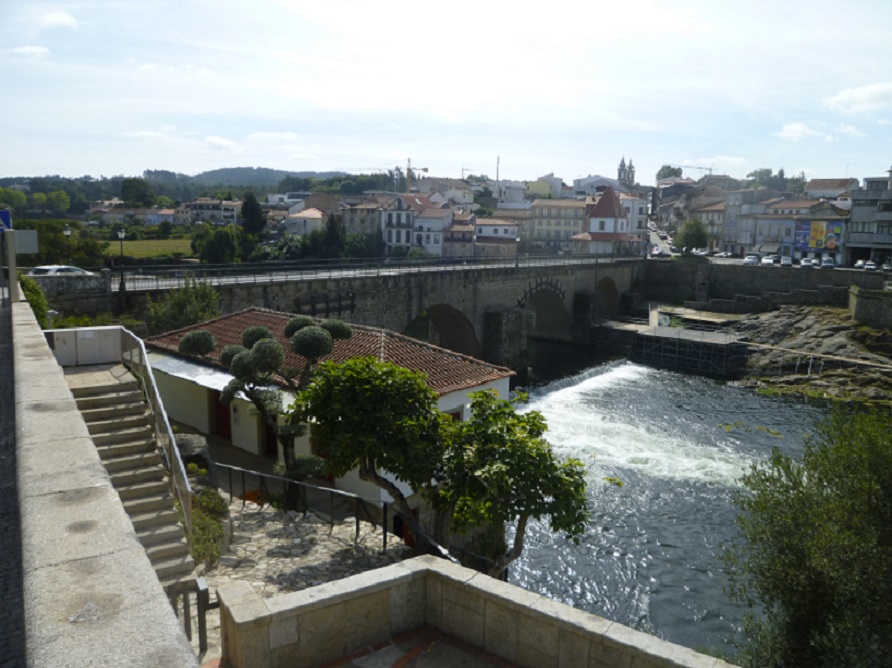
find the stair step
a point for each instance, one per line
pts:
(104, 388)
(112, 412)
(115, 424)
(177, 566)
(144, 504)
(126, 435)
(130, 462)
(155, 535)
(168, 550)
(127, 448)
(141, 474)
(179, 583)
(109, 399)
(141, 489)
(154, 518)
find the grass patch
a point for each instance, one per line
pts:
(152, 247)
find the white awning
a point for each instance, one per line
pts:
(199, 374)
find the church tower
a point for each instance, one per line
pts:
(621, 171)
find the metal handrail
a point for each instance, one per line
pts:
(135, 358)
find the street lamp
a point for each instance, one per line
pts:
(516, 251)
(121, 234)
(67, 233)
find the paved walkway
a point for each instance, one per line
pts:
(283, 552)
(12, 612)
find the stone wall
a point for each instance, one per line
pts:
(696, 280)
(871, 307)
(324, 623)
(91, 595)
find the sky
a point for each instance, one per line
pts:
(108, 88)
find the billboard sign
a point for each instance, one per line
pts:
(818, 235)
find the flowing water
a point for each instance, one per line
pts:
(650, 558)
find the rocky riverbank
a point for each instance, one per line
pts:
(835, 357)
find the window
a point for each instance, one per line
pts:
(495, 230)
(390, 236)
(600, 225)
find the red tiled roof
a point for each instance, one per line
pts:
(447, 371)
(608, 205)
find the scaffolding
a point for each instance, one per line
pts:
(706, 353)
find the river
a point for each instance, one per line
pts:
(650, 558)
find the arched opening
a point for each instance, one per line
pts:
(447, 327)
(552, 319)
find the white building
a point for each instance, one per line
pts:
(191, 386)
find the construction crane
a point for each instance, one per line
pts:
(409, 174)
(702, 169)
(465, 169)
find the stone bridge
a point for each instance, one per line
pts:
(483, 312)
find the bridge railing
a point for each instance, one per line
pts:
(173, 276)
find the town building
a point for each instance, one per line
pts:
(870, 230)
(303, 222)
(191, 385)
(496, 238)
(608, 228)
(555, 221)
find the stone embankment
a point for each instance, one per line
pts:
(826, 341)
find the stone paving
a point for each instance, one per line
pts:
(12, 612)
(283, 552)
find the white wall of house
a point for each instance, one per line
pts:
(185, 401)
(247, 426)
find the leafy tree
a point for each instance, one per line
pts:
(496, 467)
(499, 468)
(667, 171)
(817, 549)
(137, 192)
(692, 235)
(198, 342)
(220, 246)
(58, 201)
(164, 229)
(38, 201)
(257, 367)
(254, 220)
(86, 251)
(194, 303)
(14, 199)
(379, 418)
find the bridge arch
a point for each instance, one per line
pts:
(546, 299)
(447, 327)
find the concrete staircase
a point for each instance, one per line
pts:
(119, 422)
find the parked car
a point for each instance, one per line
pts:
(806, 262)
(828, 263)
(870, 265)
(59, 270)
(751, 260)
(859, 264)
(786, 261)
(767, 261)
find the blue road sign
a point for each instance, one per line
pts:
(6, 219)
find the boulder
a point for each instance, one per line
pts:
(194, 450)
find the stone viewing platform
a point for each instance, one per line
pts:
(280, 552)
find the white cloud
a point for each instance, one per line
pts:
(31, 51)
(875, 97)
(220, 143)
(272, 136)
(58, 19)
(798, 131)
(850, 130)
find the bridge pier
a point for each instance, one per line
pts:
(505, 333)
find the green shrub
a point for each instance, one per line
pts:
(198, 342)
(305, 466)
(254, 334)
(194, 469)
(210, 501)
(207, 537)
(35, 298)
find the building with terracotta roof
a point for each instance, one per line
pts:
(609, 229)
(191, 386)
(304, 222)
(830, 188)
